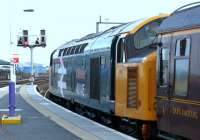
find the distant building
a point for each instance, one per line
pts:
(37, 69)
(3, 62)
(4, 70)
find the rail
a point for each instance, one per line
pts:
(38, 80)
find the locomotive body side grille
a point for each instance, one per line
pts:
(132, 88)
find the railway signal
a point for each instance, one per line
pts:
(42, 38)
(25, 41)
(39, 42)
(19, 42)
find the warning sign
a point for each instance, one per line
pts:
(15, 59)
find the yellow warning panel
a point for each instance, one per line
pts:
(7, 120)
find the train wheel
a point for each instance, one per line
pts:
(143, 130)
(146, 131)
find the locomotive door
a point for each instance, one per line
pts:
(95, 78)
(179, 80)
(120, 76)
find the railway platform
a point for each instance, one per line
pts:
(43, 119)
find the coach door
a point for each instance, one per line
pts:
(95, 78)
(163, 97)
(179, 72)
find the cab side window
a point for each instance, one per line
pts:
(181, 65)
(164, 66)
(121, 51)
(147, 35)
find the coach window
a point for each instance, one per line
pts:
(121, 51)
(181, 60)
(164, 66)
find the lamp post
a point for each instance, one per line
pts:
(31, 49)
(12, 82)
(28, 10)
(12, 76)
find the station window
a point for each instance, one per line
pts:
(182, 67)
(164, 66)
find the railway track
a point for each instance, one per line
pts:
(43, 81)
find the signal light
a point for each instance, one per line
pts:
(37, 43)
(19, 42)
(42, 38)
(25, 38)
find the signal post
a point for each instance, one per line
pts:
(23, 41)
(40, 41)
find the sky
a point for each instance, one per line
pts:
(65, 20)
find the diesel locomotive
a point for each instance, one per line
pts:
(146, 72)
(112, 71)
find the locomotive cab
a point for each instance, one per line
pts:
(135, 75)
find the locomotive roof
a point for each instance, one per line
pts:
(181, 20)
(103, 40)
(120, 29)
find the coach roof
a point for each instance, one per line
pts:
(182, 19)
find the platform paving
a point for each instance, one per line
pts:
(83, 127)
(45, 120)
(35, 126)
